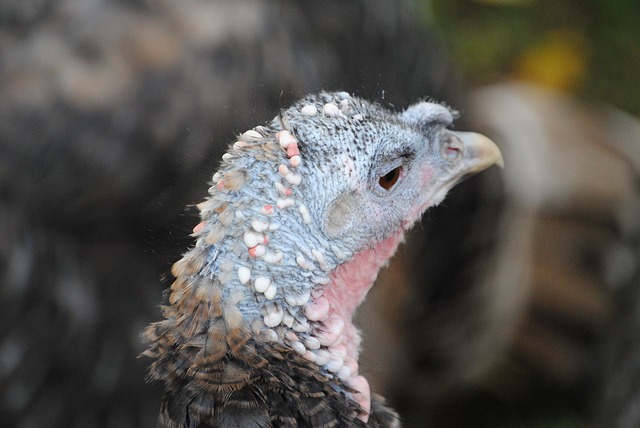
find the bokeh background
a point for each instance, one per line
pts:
(514, 303)
(585, 48)
(554, 338)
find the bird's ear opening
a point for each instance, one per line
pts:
(425, 114)
(342, 214)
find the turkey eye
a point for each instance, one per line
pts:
(388, 180)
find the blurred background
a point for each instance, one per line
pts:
(585, 48)
(516, 303)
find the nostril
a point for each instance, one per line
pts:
(452, 152)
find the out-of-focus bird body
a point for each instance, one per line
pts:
(301, 216)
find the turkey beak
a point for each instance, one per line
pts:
(477, 152)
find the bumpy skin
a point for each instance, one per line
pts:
(301, 216)
(113, 113)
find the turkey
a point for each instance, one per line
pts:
(300, 217)
(113, 115)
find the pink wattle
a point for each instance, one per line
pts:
(350, 282)
(348, 286)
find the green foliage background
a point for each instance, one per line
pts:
(587, 47)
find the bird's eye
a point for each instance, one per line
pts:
(388, 180)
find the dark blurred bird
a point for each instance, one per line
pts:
(301, 216)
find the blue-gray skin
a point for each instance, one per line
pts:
(301, 216)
